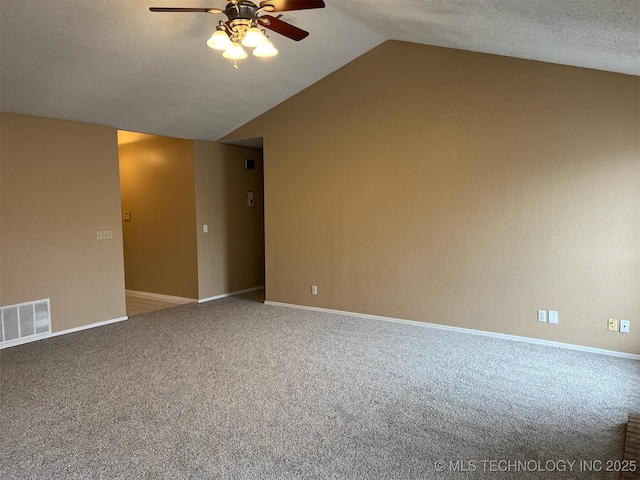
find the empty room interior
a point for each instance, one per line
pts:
(398, 240)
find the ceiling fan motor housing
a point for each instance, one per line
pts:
(241, 11)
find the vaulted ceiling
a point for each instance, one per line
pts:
(112, 62)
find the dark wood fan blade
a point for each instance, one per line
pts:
(188, 10)
(286, 5)
(283, 28)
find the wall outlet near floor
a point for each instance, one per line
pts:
(105, 235)
(612, 324)
(314, 290)
(553, 316)
(542, 315)
(624, 326)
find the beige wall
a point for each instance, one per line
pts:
(459, 188)
(158, 190)
(231, 254)
(59, 187)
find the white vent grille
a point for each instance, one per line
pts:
(24, 322)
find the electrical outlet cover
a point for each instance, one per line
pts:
(612, 324)
(542, 315)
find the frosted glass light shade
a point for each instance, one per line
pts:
(235, 52)
(265, 50)
(253, 38)
(219, 40)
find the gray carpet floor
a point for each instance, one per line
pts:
(235, 389)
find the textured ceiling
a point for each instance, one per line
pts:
(598, 34)
(112, 62)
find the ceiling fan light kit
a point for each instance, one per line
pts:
(254, 37)
(265, 50)
(235, 52)
(219, 40)
(242, 27)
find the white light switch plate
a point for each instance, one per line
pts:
(105, 235)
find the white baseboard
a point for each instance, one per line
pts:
(483, 333)
(160, 296)
(42, 336)
(224, 295)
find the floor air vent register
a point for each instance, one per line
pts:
(24, 322)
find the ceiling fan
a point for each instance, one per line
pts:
(242, 28)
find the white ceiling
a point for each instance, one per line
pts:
(112, 62)
(598, 34)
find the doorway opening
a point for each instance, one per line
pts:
(189, 231)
